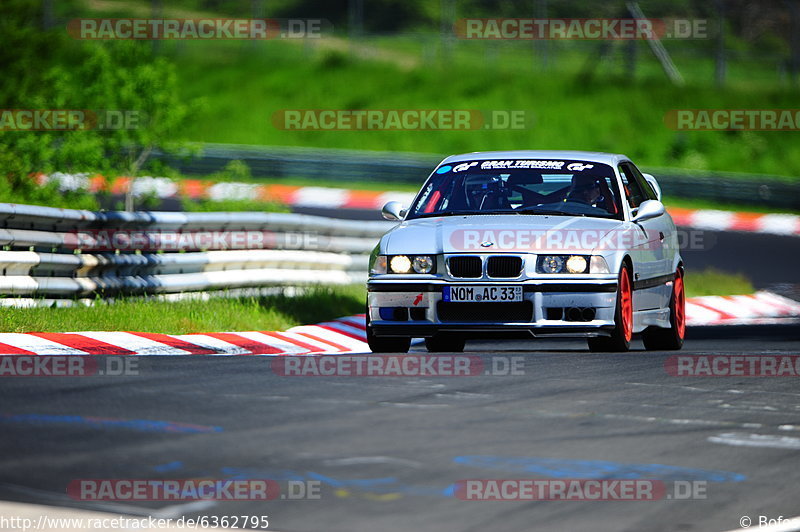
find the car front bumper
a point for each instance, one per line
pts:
(549, 308)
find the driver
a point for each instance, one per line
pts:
(491, 195)
(585, 189)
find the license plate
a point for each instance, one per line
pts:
(478, 293)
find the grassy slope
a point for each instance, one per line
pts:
(221, 314)
(713, 282)
(244, 85)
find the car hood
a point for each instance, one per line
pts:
(498, 233)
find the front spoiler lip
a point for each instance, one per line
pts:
(421, 330)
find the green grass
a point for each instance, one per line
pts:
(48, 195)
(243, 84)
(243, 88)
(713, 282)
(231, 205)
(268, 313)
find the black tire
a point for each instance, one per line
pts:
(620, 339)
(445, 343)
(660, 339)
(386, 344)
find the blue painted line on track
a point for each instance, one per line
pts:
(562, 468)
(171, 466)
(141, 425)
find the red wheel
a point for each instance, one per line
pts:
(679, 304)
(657, 338)
(620, 339)
(626, 304)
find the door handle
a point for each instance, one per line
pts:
(661, 236)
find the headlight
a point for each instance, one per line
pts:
(551, 264)
(422, 264)
(400, 264)
(563, 264)
(576, 264)
(406, 264)
(379, 266)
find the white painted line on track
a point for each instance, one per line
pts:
(711, 219)
(310, 341)
(40, 346)
(327, 334)
(209, 342)
(695, 314)
(782, 224)
(345, 328)
(321, 197)
(271, 341)
(739, 439)
(359, 321)
(137, 344)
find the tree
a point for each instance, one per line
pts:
(131, 95)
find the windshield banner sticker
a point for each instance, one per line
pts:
(527, 163)
(464, 166)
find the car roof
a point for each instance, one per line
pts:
(594, 156)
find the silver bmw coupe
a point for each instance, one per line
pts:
(532, 244)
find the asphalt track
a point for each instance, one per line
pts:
(385, 450)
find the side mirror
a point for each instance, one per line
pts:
(648, 210)
(653, 183)
(393, 211)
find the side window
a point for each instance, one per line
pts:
(633, 191)
(649, 193)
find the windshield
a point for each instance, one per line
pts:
(520, 186)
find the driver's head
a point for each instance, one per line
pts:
(584, 188)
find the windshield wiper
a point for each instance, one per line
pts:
(459, 213)
(534, 210)
(443, 213)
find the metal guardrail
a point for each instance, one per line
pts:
(284, 161)
(347, 165)
(65, 253)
